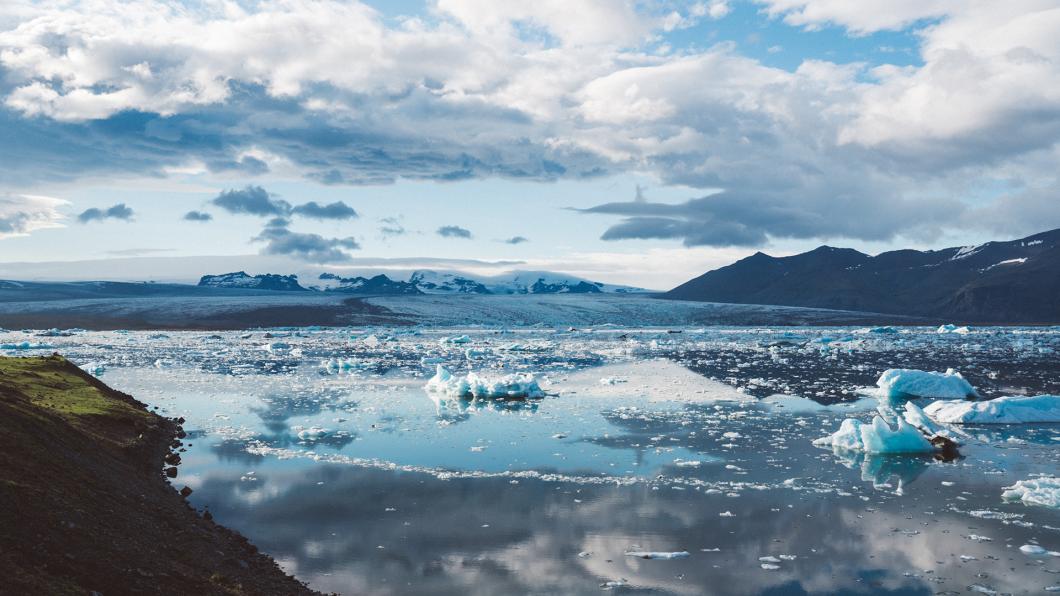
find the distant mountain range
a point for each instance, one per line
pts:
(421, 282)
(997, 282)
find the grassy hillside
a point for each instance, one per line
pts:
(84, 504)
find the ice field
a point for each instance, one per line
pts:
(673, 461)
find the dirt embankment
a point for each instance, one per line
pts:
(84, 503)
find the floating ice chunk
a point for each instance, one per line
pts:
(1044, 491)
(313, 432)
(1014, 409)
(96, 369)
(915, 416)
(883, 330)
(877, 437)
(949, 328)
(459, 339)
(681, 554)
(687, 463)
(899, 383)
(520, 385)
(611, 381)
(1033, 550)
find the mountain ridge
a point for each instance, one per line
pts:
(1014, 281)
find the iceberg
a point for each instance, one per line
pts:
(877, 437)
(899, 383)
(1044, 491)
(950, 328)
(1013, 409)
(521, 385)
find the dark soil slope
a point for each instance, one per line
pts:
(85, 507)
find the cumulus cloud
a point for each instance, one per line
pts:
(453, 232)
(21, 215)
(252, 200)
(118, 211)
(197, 216)
(255, 200)
(336, 210)
(542, 91)
(517, 240)
(312, 248)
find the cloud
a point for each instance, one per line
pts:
(118, 211)
(251, 200)
(729, 219)
(21, 215)
(197, 216)
(336, 210)
(312, 248)
(453, 232)
(516, 240)
(543, 91)
(255, 200)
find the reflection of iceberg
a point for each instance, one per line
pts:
(899, 383)
(1015, 409)
(880, 469)
(516, 386)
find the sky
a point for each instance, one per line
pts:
(640, 142)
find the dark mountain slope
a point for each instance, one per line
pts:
(998, 282)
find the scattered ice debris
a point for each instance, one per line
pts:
(459, 339)
(611, 381)
(901, 383)
(687, 463)
(25, 345)
(770, 566)
(950, 328)
(769, 559)
(1013, 409)
(521, 385)
(681, 554)
(1044, 491)
(615, 583)
(877, 437)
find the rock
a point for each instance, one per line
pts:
(171, 472)
(186, 491)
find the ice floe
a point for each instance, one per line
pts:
(1044, 491)
(1014, 409)
(520, 385)
(898, 383)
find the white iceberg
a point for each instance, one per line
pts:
(313, 432)
(950, 328)
(1013, 409)
(897, 383)
(877, 437)
(1044, 491)
(520, 385)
